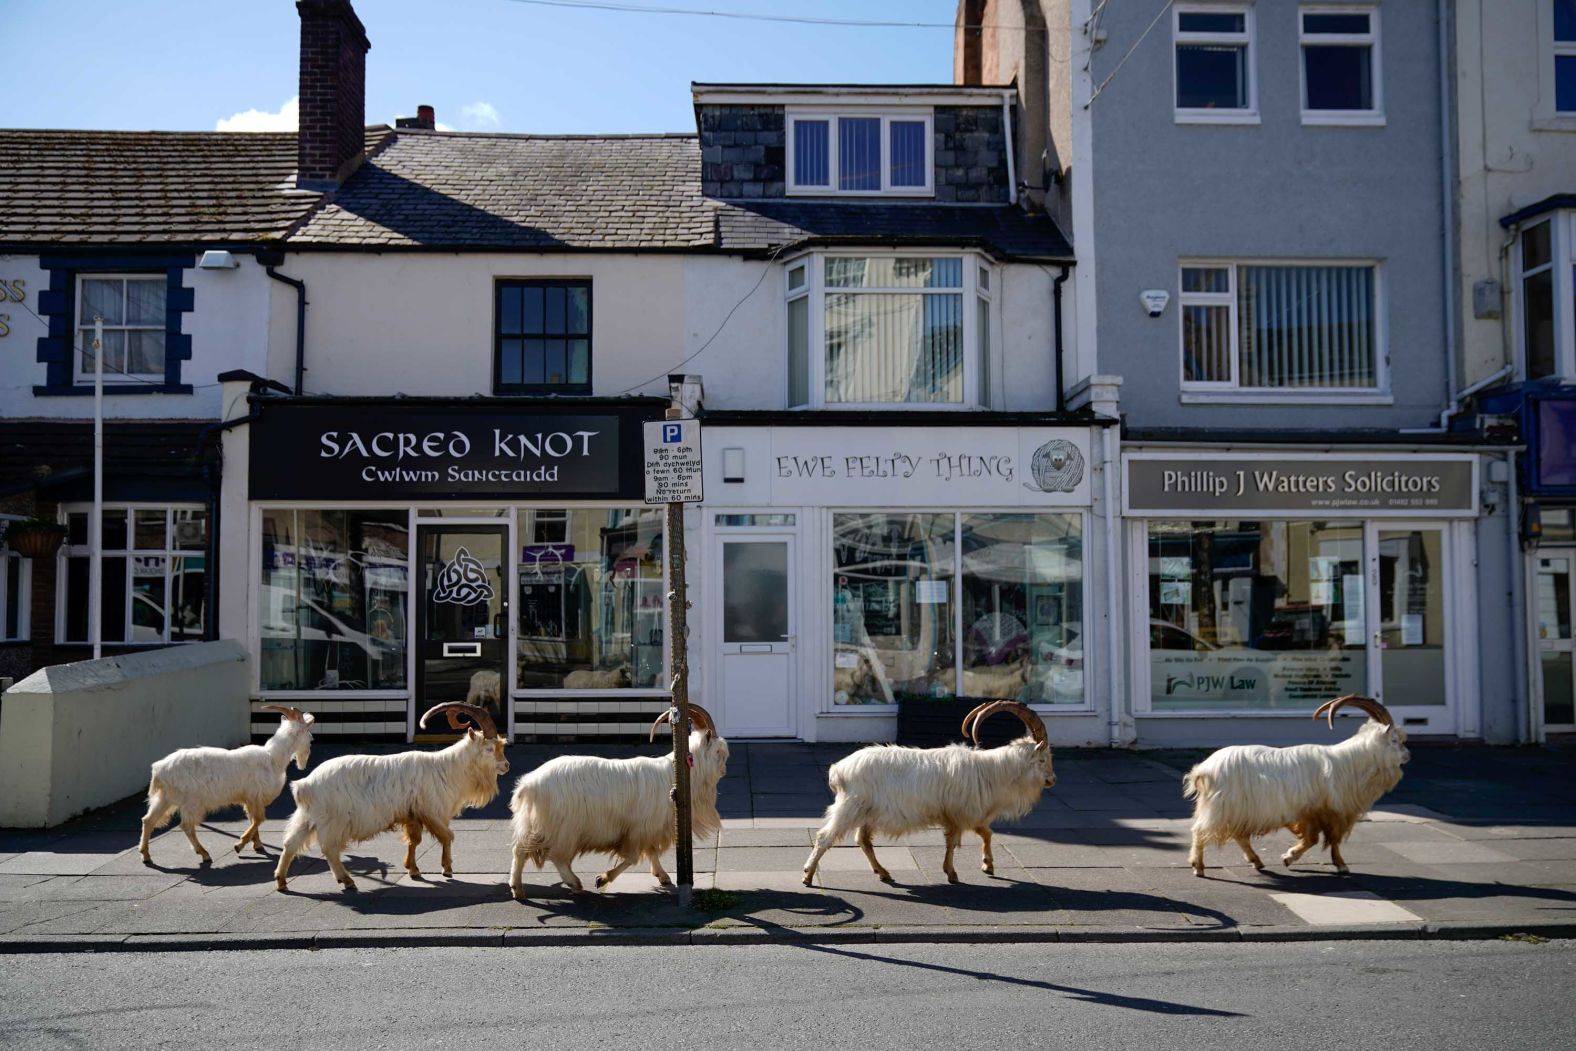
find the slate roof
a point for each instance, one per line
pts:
(150, 187)
(449, 190)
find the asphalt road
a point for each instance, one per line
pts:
(1390, 995)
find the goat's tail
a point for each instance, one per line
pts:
(301, 830)
(1197, 785)
(529, 839)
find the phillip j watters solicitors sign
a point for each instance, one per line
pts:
(1332, 485)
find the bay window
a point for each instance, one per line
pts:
(859, 153)
(957, 604)
(888, 330)
(1280, 327)
(154, 589)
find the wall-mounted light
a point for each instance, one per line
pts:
(733, 465)
(217, 259)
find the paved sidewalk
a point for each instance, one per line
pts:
(1474, 842)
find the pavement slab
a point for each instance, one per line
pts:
(1474, 841)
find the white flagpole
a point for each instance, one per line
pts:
(96, 523)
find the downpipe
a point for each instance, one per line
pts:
(1113, 560)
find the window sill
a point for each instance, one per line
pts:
(1212, 117)
(890, 406)
(1272, 397)
(912, 192)
(1225, 713)
(1341, 119)
(577, 390)
(1555, 122)
(112, 389)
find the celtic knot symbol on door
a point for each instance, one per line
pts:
(463, 582)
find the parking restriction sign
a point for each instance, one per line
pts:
(673, 465)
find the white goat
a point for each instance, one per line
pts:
(894, 790)
(198, 781)
(1002, 680)
(354, 797)
(486, 688)
(582, 804)
(1247, 790)
(591, 679)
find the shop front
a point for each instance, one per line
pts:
(404, 553)
(1264, 583)
(850, 570)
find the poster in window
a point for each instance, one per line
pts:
(1175, 592)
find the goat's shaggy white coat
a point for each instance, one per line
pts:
(198, 781)
(894, 790)
(352, 798)
(485, 689)
(593, 679)
(580, 804)
(1244, 791)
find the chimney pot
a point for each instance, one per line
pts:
(428, 116)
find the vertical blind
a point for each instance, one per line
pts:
(859, 153)
(1306, 326)
(894, 346)
(811, 154)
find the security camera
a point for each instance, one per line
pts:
(1154, 301)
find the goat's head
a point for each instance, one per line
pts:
(1036, 743)
(1380, 724)
(707, 747)
(481, 740)
(298, 725)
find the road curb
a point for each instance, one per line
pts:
(405, 938)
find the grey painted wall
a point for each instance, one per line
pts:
(1165, 191)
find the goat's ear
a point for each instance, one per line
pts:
(473, 733)
(711, 735)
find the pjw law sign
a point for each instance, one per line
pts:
(359, 451)
(1331, 485)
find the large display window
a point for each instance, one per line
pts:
(980, 604)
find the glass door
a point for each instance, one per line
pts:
(1555, 651)
(757, 636)
(1410, 624)
(462, 628)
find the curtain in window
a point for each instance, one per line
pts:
(1306, 326)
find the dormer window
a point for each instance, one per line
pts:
(859, 152)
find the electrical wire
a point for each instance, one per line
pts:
(857, 23)
(1123, 60)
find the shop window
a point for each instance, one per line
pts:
(1280, 327)
(944, 605)
(16, 575)
(334, 590)
(859, 153)
(155, 583)
(891, 330)
(1340, 65)
(542, 337)
(1255, 615)
(590, 606)
(1214, 63)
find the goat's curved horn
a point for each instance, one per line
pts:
(461, 714)
(968, 719)
(1379, 712)
(700, 719)
(1022, 711)
(283, 709)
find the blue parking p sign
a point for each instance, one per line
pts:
(672, 432)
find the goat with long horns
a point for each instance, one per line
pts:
(893, 790)
(1314, 790)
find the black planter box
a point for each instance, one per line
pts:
(927, 722)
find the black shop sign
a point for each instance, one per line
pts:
(381, 451)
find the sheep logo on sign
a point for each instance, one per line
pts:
(1057, 467)
(463, 582)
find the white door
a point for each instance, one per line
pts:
(1555, 649)
(1411, 624)
(757, 614)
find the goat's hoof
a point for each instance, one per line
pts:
(279, 885)
(1287, 860)
(1342, 870)
(517, 893)
(602, 881)
(240, 846)
(988, 869)
(664, 882)
(415, 874)
(1198, 870)
(350, 886)
(147, 859)
(808, 878)
(448, 873)
(1258, 866)
(205, 862)
(952, 877)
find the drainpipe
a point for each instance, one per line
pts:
(1447, 200)
(1519, 641)
(1113, 627)
(1056, 297)
(1010, 146)
(270, 260)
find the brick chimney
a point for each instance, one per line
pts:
(332, 135)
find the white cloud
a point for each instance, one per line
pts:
(480, 115)
(286, 119)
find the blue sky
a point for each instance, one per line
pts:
(485, 64)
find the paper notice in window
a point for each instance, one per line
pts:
(930, 592)
(1411, 629)
(1352, 599)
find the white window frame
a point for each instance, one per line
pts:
(832, 114)
(1545, 117)
(815, 288)
(1372, 117)
(169, 553)
(80, 340)
(13, 562)
(1562, 260)
(1195, 392)
(1245, 39)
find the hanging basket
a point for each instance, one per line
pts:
(34, 539)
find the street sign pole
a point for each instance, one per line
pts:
(673, 477)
